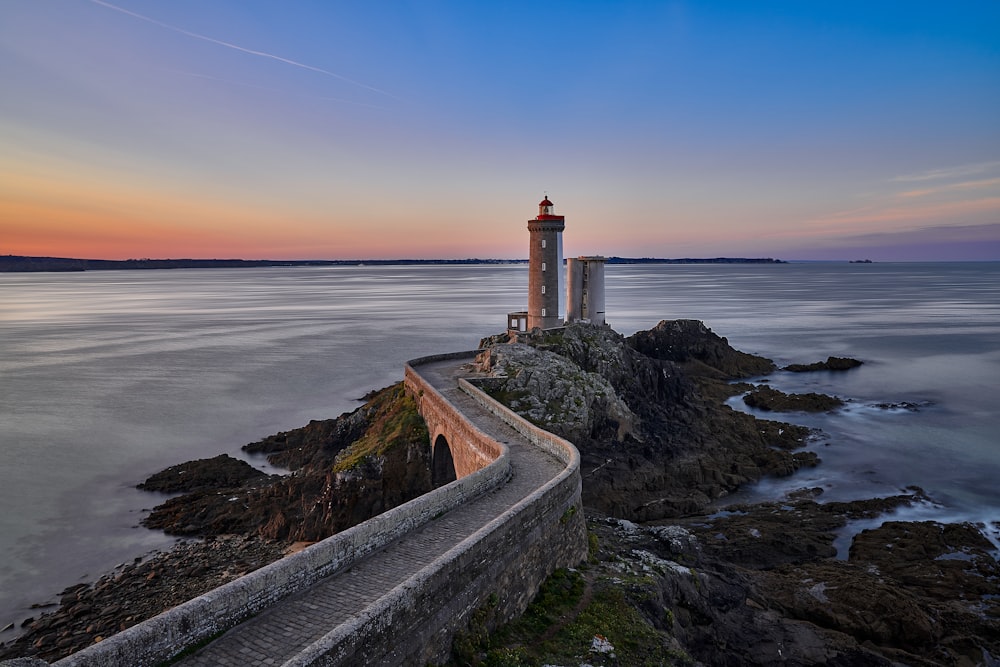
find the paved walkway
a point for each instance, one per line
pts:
(279, 633)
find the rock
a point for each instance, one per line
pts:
(655, 440)
(222, 471)
(831, 364)
(556, 394)
(914, 592)
(717, 613)
(115, 602)
(338, 485)
(691, 342)
(767, 398)
(753, 585)
(907, 406)
(314, 444)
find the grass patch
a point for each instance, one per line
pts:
(560, 625)
(394, 421)
(611, 616)
(568, 514)
(557, 597)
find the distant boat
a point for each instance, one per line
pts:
(861, 261)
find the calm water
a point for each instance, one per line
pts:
(106, 377)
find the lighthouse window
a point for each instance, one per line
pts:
(543, 266)
(543, 289)
(543, 312)
(543, 243)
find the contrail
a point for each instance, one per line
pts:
(235, 47)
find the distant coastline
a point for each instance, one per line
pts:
(23, 264)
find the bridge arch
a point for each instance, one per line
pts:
(470, 450)
(442, 462)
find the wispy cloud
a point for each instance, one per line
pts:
(946, 173)
(946, 197)
(848, 221)
(953, 187)
(935, 243)
(236, 47)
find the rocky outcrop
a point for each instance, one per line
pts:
(921, 593)
(654, 439)
(556, 394)
(135, 591)
(222, 471)
(759, 586)
(691, 343)
(831, 364)
(345, 471)
(770, 399)
(756, 584)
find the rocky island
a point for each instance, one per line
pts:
(670, 579)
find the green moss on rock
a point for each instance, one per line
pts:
(395, 422)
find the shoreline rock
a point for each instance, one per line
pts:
(133, 592)
(654, 437)
(831, 364)
(770, 399)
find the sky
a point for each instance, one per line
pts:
(431, 129)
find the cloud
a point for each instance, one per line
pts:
(953, 187)
(242, 49)
(934, 243)
(904, 213)
(963, 202)
(948, 172)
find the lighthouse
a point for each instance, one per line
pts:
(545, 265)
(584, 294)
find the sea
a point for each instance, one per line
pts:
(109, 376)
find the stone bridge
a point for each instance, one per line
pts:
(395, 589)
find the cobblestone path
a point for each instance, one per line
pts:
(279, 633)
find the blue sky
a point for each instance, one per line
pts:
(799, 130)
